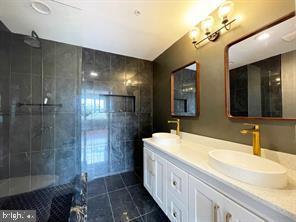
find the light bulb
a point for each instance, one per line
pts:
(193, 34)
(207, 25)
(224, 10)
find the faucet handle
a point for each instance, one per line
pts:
(174, 120)
(256, 126)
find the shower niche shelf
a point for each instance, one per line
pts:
(117, 103)
(39, 104)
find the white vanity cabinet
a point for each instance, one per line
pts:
(185, 198)
(206, 204)
(149, 171)
(155, 177)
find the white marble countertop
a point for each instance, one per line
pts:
(195, 154)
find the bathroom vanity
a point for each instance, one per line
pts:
(180, 179)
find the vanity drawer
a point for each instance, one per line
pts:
(177, 182)
(176, 210)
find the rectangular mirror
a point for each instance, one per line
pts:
(261, 73)
(185, 90)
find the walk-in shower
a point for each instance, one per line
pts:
(39, 134)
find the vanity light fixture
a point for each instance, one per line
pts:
(224, 10)
(194, 34)
(207, 25)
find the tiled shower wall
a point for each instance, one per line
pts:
(38, 147)
(116, 112)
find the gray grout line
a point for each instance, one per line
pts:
(133, 201)
(136, 218)
(123, 181)
(122, 188)
(149, 212)
(97, 195)
(109, 201)
(125, 187)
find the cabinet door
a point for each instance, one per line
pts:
(177, 182)
(206, 204)
(234, 212)
(149, 171)
(176, 210)
(202, 207)
(160, 182)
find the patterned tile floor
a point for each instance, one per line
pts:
(121, 198)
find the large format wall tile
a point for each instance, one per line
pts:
(117, 154)
(102, 65)
(117, 68)
(20, 165)
(5, 39)
(64, 130)
(42, 164)
(4, 166)
(131, 126)
(4, 94)
(19, 134)
(42, 132)
(20, 55)
(65, 94)
(111, 104)
(20, 92)
(65, 165)
(66, 60)
(36, 54)
(48, 58)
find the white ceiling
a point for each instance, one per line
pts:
(252, 50)
(110, 25)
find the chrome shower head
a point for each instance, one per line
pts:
(33, 40)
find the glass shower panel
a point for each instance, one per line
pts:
(39, 117)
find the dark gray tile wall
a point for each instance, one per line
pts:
(92, 130)
(3, 27)
(38, 145)
(112, 126)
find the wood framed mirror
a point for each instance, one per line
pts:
(260, 73)
(185, 91)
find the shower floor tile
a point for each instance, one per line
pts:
(114, 182)
(96, 187)
(124, 199)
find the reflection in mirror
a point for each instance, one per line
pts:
(184, 93)
(262, 73)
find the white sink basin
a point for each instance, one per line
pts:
(166, 138)
(249, 168)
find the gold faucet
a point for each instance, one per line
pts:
(177, 122)
(255, 131)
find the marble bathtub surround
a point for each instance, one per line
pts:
(193, 151)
